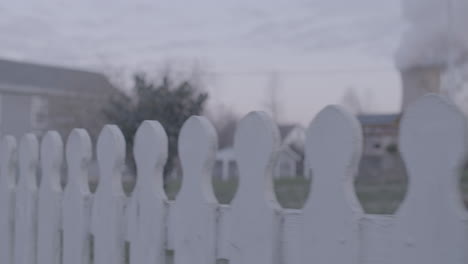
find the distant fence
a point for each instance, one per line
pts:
(48, 225)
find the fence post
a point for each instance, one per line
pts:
(7, 197)
(77, 199)
(107, 223)
(332, 212)
(195, 206)
(431, 225)
(49, 200)
(255, 212)
(146, 211)
(26, 202)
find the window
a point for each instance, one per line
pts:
(39, 112)
(233, 170)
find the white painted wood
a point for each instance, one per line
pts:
(196, 206)
(255, 211)
(332, 211)
(147, 209)
(376, 232)
(77, 199)
(170, 225)
(291, 232)
(26, 202)
(7, 197)
(431, 224)
(222, 232)
(430, 227)
(107, 223)
(49, 200)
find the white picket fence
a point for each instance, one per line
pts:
(48, 225)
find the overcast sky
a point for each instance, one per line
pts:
(318, 47)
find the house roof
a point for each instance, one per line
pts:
(295, 154)
(225, 154)
(379, 119)
(285, 130)
(52, 78)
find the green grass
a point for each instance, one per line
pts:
(380, 197)
(376, 196)
(292, 193)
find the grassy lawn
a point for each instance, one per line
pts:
(292, 193)
(376, 196)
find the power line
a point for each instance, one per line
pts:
(299, 72)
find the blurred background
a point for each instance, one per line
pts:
(66, 64)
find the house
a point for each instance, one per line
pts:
(290, 160)
(36, 98)
(380, 132)
(379, 153)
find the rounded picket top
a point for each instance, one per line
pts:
(8, 159)
(334, 138)
(256, 144)
(256, 139)
(110, 152)
(436, 127)
(78, 155)
(51, 158)
(150, 147)
(197, 143)
(111, 158)
(28, 157)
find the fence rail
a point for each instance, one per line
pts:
(47, 225)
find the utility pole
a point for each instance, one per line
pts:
(273, 89)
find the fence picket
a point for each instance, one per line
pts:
(332, 212)
(7, 197)
(196, 205)
(26, 202)
(108, 204)
(49, 200)
(255, 212)
(430, 227)
(77, 199)
(146, 211)
(431, 224)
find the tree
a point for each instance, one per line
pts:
(273, 88)
(351, 101)
(170, 102)
(225, 122)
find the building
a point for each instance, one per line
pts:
(418, 81)
(36, 98)
(290, 160)
(380, 133)
(380, 147)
